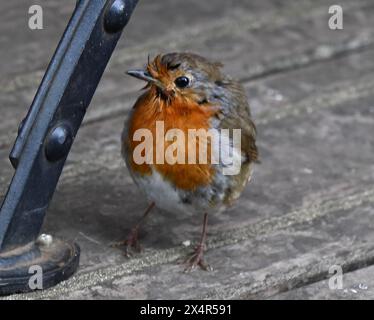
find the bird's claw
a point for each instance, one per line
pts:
(196, 260)
(131, 244)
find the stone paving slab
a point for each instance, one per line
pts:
(240, 29)
(357, 285)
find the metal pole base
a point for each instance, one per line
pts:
(37, 265)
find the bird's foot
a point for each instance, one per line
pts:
(196, 259)
(131, 243)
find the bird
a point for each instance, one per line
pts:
(186, 92)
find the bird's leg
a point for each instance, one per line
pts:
(132, 241)
(196, 259)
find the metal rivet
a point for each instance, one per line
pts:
(44, 240)
(58, 143)
(116, 16)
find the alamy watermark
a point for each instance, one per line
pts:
(196, 146)
(36, 17)
(36, 278)
(336, 279)
(336, 19)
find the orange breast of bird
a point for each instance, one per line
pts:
(180, 114)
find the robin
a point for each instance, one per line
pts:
(187, 92)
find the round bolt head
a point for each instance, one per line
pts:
(116, 17)
(58, 143)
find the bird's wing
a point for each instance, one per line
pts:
(237, 115)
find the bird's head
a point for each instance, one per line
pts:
(184, 76)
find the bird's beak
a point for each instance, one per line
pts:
(144, 75)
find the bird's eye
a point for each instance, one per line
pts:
(182, 82)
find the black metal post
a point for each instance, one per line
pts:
(44, 141)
